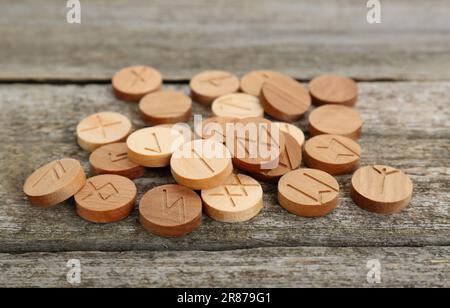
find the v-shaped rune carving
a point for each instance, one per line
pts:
(216, 81)
(156, 149)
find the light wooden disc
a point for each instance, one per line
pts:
(335, 120)
(133, 83)
(153, 146)
(237, 105)
(284, 98)
(102, 128)
(183, 128)
(381, 189)
(209, 85)
(201, 164)
(308, 192)
(54, 183)
(170, 210)
(292, 130)
(239, 199)
(333, 89)
(333, 154)
(290, 159)
(113, 159)
(215, 128)
(257, 144)
(106, 198)
(252, 82)
(165, 107)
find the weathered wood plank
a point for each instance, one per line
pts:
(181, 38)
(264, 267)
(407, 126)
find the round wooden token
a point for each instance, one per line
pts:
(201, 164)
(256, 144)
(237, 105)
(239, 199)
(170, 210)
(335, 120)
(381, 189)
(284, 98)
(106, 198)
(308, 192)
(113, 159)
(102, 128)
(209, 85)
(333, 89)
(153, 146)
(165, 107)
(292, 130)
(290, 159)
(215, 128)
(133, 83)
(54, 183)
(333, 154)
(252, 82)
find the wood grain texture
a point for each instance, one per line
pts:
(182, 38)
(263, 267)
(415, 141)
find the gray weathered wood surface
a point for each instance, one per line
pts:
(262, 267)
(406, 108)
(181, 38)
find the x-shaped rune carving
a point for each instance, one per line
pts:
(101, 126)
(229, 193)
(138, 76)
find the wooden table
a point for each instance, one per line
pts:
(52, 74)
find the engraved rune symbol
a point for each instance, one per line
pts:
(105, 191)
(178, 204)
(156, 142)
(384, 173)
(56, 171)
(204, 161)
(231, 187)
(101, 126)
(246, 141)
(316, 196)
(216, 81)
(229, 102)
(340, 149)
(138, 76)
(115, 157)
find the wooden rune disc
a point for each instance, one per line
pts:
(54, 183)
(333, 154)
(252, 82)
(165, 107)
(333, 89)
(239, 199)
(132, 83)
(292, 130)
(381, 189)
(284, 98)
(290, 159)
(170, 210)
(215, 128)
(102, 128)
(257, 144)
(113, 159)
(153, 146)
(308, 192)
(237, 105)
(201, 164)
(335, 120)
(106, 198)
(209, 85)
